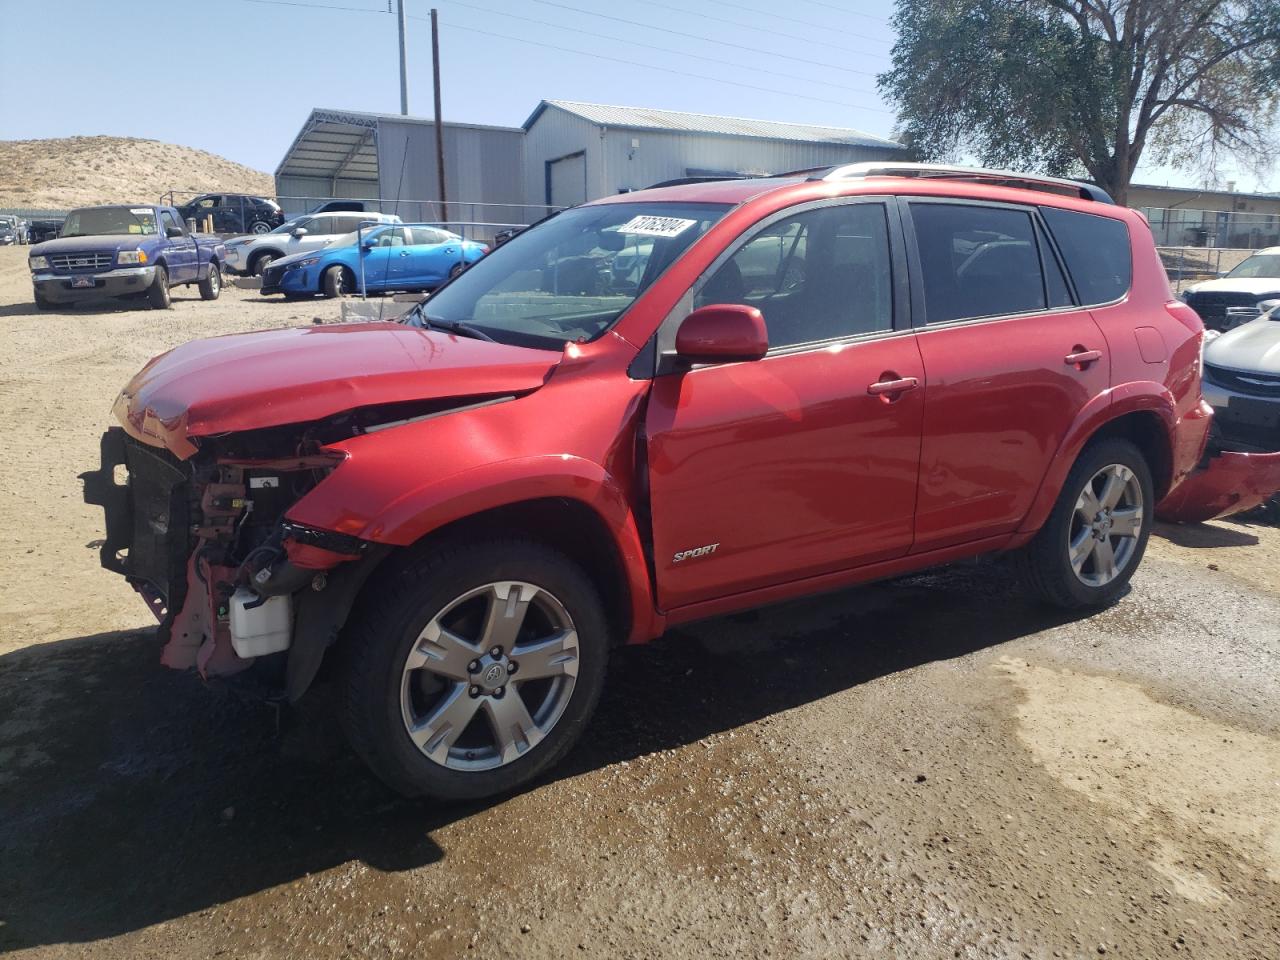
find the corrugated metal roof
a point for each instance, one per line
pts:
(343, 143)
(645, 118)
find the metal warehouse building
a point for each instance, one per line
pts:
(580, 151)
(565, 153)
(392, 159)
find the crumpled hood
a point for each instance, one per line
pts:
(252, 380)
(1253, 346)
(1254, 285)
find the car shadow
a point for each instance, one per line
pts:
(1203, 535)
(88, 308)
(131, 795)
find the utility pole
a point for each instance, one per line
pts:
(404, 66)
(435, 78)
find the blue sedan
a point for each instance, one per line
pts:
(395, 257)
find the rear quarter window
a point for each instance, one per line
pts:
(1097, 253)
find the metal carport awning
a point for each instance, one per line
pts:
(334, 146)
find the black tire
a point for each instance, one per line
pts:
(41, 302)
(260, 263)
(335, 282)
(260, 227)
(1045, 563)
(158, 292)
(456, 269)
(385, 628)
(211, 285)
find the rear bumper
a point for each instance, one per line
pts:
(114, 283)
(1229, 482)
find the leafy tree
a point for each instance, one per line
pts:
(1060, 85)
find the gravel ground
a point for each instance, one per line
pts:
(930, 767)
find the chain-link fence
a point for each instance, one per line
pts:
(1188, 265)
(1178, 227)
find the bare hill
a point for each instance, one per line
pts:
(78, 171)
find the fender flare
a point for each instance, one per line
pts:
(503, 483)
(1145, 396)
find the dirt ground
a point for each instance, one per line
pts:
(928, 768)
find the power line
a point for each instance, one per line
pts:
(313, 6)
(695, 36)
(772, 31)
(651, 46)
(679, 73)
(837, 7)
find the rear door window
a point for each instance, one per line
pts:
(1097, 253)
(977, 261)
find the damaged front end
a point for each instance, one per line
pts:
(206, 544)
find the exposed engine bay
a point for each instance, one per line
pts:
(206, 543)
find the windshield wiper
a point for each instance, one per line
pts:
(454, 326)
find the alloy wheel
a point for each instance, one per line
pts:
(1106, 525)
(489, 676)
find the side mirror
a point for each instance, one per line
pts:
(173, 233)
(722, 333)
(300, 232)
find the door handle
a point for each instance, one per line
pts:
(1081, 357)
(403, 253)
(889, 390)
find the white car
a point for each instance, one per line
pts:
(1235, 297)
(251, 254)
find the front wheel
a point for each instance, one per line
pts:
(474, 669)
(1096, 535)
(335, 282)
(211, 285)
(158, 292)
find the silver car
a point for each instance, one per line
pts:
(1242, 382)
(251, 254)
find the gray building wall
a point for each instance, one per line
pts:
(482, 166)
(296, 194)
(620, 159)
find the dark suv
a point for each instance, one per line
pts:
(652, 409)
(233, 213)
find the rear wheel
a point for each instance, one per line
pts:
(259, 227)
(336, 282)
(474, 669)
(211, 285)
(1096, 535)
(456, 269)
(158, 292)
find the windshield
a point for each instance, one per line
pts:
(102, 221)
(1259, 265)
(571, 277)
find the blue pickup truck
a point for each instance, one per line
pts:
(131, 250)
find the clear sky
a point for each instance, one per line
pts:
(238, 77)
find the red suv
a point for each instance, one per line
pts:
(648, 410)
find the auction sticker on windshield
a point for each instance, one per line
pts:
(656, 226)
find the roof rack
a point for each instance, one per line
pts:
(932, 171)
